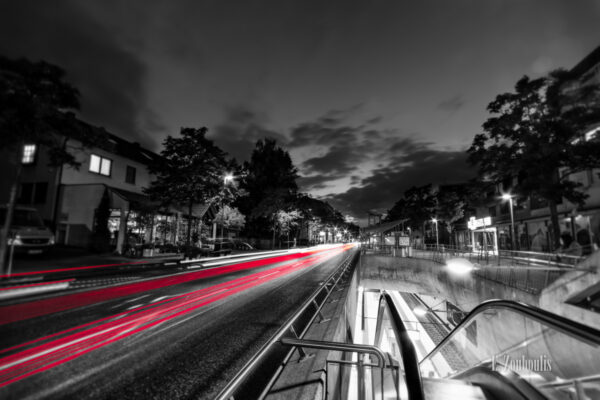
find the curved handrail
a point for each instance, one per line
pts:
(414, 385)
(572, 328)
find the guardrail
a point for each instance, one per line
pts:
(252, 378)
(440, 253)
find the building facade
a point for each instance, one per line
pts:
(68, 198)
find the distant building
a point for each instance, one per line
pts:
(68, 197)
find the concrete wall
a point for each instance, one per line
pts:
(419, 276)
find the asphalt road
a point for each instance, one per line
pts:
(179, 336)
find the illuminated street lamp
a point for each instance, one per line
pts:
(437, 238)
(509, 197)
(226, 179)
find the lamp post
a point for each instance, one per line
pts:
(437, 238)
(509, 197)
(226, 179)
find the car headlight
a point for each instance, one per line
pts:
(16, 241)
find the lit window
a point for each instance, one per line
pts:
(100, 165)
(29, 153)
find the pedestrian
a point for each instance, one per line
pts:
(537, 243)
(568, 245)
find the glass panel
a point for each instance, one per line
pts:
(95, 163)
(105, 167)
(507, 341)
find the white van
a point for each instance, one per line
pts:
(28, 234)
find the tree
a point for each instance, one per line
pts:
(191, 172)
(418, 204)
(36, 105)
(270, 185)
(536, 136)
(285, 221)
(230, 218)
(100, 233)
(451, 204)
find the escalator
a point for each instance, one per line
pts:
(501, 350)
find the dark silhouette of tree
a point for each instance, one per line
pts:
(36, 105)
(418, 204)
(191, 173)
(536, 134)
(100, 233)
(269, 185)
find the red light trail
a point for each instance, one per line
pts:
(53, 350)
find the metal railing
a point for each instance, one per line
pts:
(246, 380)
(440, 253)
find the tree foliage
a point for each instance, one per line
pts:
(269, 184)
(536, 136)
(36, 105)
(191, 171)
(230, 218)
(418, 204)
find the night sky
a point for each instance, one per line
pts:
(369, 97)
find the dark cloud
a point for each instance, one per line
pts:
(240, 131)
(339, 160)
(108, 76)
(315, 181)
(387, 184)
(452, 104)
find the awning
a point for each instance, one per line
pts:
(382, 228)
(135, 201)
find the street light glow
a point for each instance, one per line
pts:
(434, 220)
(506, 196)
(459, 266)
(228, 178)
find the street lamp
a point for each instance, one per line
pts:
(226, 179)
(437, 238)
(509, 197)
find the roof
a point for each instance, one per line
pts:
(388, 226)
(117, 145)
(586, 64)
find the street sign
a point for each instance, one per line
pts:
(478, 223)
(403, 241)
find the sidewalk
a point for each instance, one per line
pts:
(65, 257)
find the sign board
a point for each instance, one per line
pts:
(478, 223)
(403, 241)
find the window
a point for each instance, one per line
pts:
(33, 193)
(39, 195)
(130, 175)
(29, 151)
(26, 193)
(100, 165)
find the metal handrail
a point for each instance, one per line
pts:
(412, 372)
(228, 392)
(572, 328)
(337, 346)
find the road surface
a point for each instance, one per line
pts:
(178, 336)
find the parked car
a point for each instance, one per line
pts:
(217, 248)
(28, 234)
